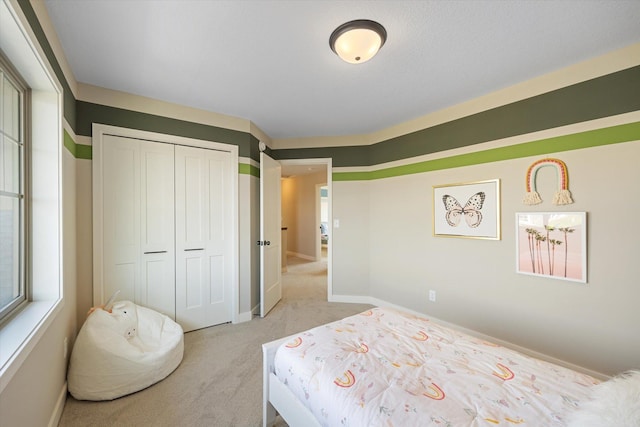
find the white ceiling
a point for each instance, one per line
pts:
(270, 61)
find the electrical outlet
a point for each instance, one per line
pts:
(432, 295)
(65, 346)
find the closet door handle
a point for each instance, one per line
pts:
(155, 252)
(194, 249)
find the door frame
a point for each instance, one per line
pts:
(98, 133)
(329, 165)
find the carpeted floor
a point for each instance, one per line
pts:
(219, 382)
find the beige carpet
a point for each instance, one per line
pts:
(219, 382)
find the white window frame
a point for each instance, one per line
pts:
(14, 79)
(21, 332)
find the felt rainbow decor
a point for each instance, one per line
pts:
(562, 196)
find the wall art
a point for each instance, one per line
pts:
(562, 196)
(470, 210)
(552, 244)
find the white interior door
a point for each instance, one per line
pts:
(204, 237)
(270, 234)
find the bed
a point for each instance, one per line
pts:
(385, 367)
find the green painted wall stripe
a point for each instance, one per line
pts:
(247, 169)
(594, 138)
(89, 113)
(84, 151)
(605, 96)
(79, 151)
(69, 143)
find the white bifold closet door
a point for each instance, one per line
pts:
(167, 230)
(203, 237)
(139, 222)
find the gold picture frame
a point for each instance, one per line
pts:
(467, 210)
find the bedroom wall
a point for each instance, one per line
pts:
(351, 240)
(590, 325)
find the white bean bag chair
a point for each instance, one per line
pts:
(122, 352)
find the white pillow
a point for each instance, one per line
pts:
(614, 403)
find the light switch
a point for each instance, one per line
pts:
(336, 223)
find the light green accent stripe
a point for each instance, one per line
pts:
(79, 151)
(84, 151)
(69, 143)
(247, 169)
(593, 138)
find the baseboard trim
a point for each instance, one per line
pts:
(57, 410)
(353, 299)
(244, 317)
(303, 256)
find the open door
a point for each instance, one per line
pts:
(270, 229)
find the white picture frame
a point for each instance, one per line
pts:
(552, 244)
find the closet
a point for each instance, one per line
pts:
(164, 227)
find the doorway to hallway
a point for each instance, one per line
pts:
(306, 215)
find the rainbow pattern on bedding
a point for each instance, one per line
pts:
(388, 368)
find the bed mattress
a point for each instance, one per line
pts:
(388, 368)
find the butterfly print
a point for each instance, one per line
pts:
(471, 210)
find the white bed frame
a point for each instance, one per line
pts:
(276, 397)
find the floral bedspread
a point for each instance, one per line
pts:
(388, 368)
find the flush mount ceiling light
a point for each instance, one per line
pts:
(358, 41)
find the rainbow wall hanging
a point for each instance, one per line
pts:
(562, 196)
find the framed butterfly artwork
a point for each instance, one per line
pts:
(470, 210)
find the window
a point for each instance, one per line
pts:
(41, 157)
(13, 289)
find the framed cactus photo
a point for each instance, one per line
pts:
(552, 244)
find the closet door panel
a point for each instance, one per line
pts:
(121, 201)
(218, 279)
(218, 229)
(192, 193)
(202, 284)
(157, 291)
(194, 282)
(157, 228)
